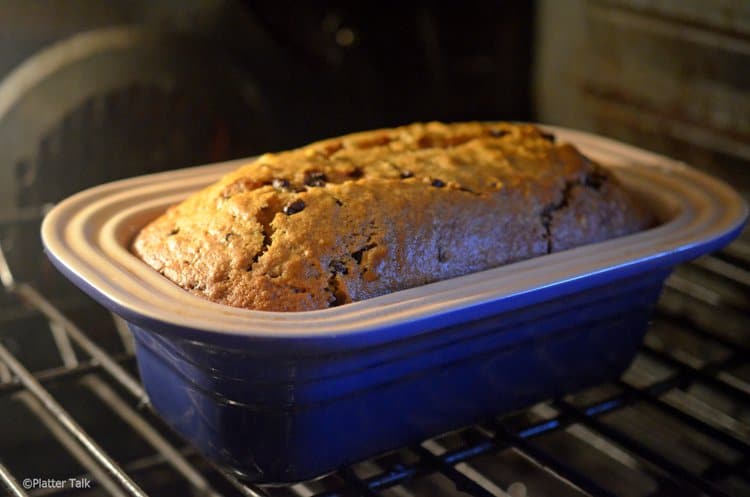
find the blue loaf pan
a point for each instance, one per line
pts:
(284, 397)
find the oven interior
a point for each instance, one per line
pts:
(90, 94)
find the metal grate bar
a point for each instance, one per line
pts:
(739, 250)
(463, 483)
(724, 269)
(121, 326)
(562, 471)
(131, 417)
(406, 472)
(654, 400)
(6, 277)
(477, 476)
(690, 326)
(676, 473)
(333, 493)
(365, 487)
(459, 455)
(71, 445)
(5, 377)
(704, 374)
(701, 293)
(49, 403)
(689, 287)
(54, 375)
(36, 300)
(428, 463)
(245, 490)
(394, 476)
(67, 353)
(10, 483)
(652, 397)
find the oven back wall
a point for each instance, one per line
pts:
(669, 75)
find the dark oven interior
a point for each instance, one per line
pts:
(94, 91)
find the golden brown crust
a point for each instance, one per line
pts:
(370, 213)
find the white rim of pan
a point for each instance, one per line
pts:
(89, 232)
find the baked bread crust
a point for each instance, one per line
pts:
(370, 213)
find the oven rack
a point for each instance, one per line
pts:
(701, 390)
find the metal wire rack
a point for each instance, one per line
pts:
(676, 423)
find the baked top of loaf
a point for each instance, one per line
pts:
(370, 213)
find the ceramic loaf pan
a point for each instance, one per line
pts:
(281, 397)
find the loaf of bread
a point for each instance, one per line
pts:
(370, 213)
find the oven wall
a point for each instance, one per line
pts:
(669, 75)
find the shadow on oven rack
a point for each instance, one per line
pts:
(76, 420)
